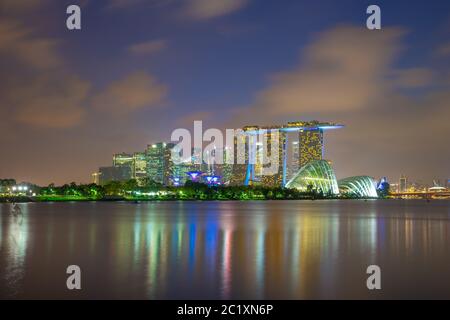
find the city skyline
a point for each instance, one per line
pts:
(138, 70)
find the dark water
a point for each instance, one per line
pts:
(209, 250)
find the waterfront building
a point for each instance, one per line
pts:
(124, 160)
(225, 170)
(140, 167)
(159, 162)
(96, 177)
(310, 148)
(239, 168)
(315, 176)
(360, 186)
(403, 184)
(114, 173)
(6, 185)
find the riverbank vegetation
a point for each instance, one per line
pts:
(131, 191)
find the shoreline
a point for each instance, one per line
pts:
(4, 200)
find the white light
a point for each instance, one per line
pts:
(14, 188)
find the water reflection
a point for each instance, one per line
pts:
(281, 249)
(15, 240)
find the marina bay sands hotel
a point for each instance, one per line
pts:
(309, 147)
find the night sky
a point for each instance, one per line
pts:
(139, 69)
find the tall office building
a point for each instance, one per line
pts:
(160, 164)
(403, 184)
(114, 173)
(124, 160)
(275, 159)
(239, 168)
(96, 177)
(140, 167)
(266, 159)
(294, 164)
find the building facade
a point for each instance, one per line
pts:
(140, 167)
(114, 173)
(159, 162)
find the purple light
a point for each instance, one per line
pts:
(194, 175)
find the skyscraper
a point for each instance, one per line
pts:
(124, 160)
(140, 167)
(114, 173)
(403, 184)
(159, 162)
(310, 146)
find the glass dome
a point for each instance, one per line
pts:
(316, 175)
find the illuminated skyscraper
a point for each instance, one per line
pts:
(240, 159)
(403, 184)
(123, 159)
(275, 159)
(114, 173)
(310, 146)
(140, 166)
(294, 164)
(96, 177)
(160, 165)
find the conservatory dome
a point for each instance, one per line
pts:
(317, 175)
(360, 186)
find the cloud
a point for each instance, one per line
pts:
(19, 43)
(20, 5)
(207, 9)
(413, 77)
(148, 47)
(444, 50)
(343, 70)
(120, 4)
(114, 4)
(37, 89)
(349, 75)
(136, 91)
(50, 101)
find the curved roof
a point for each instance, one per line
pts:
(318, 174)
(359, 186)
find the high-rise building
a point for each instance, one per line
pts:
(294, 164)
(310, 141)
(265, 159)
(240, 161)
(160, 165)
(403, 184)
(124, 160)
(114, 173)
(277, 161)
(140, 167)
(310, 146)
(96, 177)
